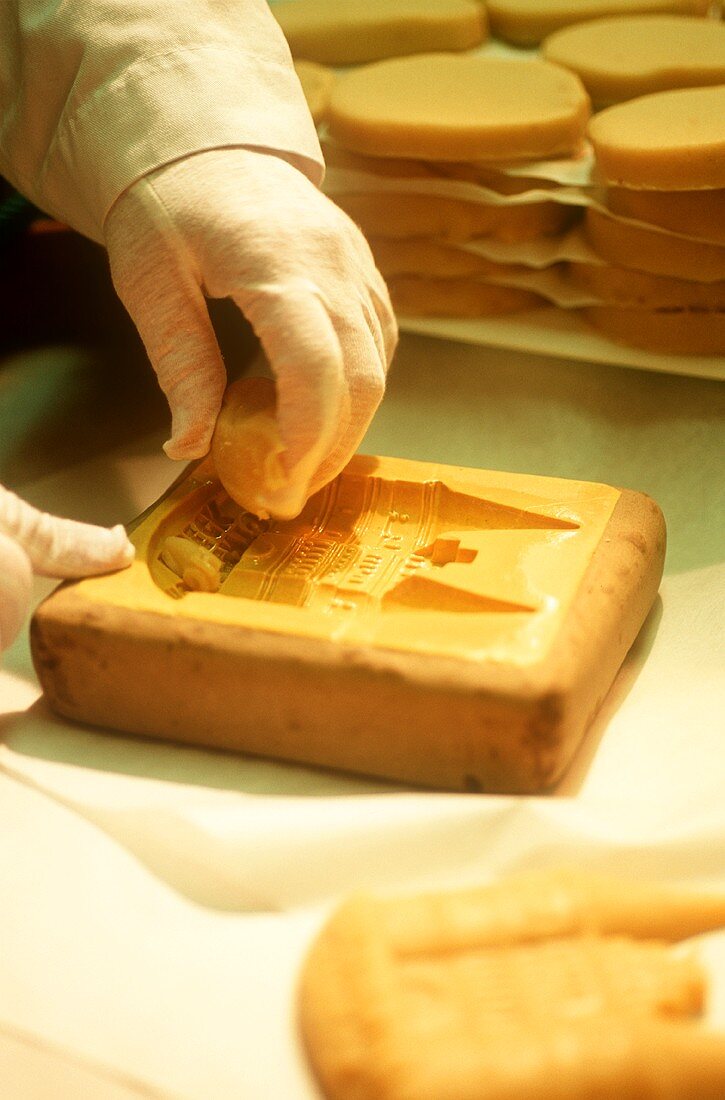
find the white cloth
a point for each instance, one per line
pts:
(249, 226)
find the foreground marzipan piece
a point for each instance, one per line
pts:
(526, 22)
(246, 447)
(350, 32)
(630, 56)
(653, 250)
(554, 984)
(668, 331)
(459, 107)
(670, 141)
(698, 214)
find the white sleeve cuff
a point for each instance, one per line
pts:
(163, 108)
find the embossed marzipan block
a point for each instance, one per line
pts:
(447, 627)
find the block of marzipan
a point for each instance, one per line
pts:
(624, 286)
(655, 251)
(408, 216)
(459, 107)
(437, 259)
(526, 22)
(355, 31)
(628, 56)
(668, 141)
(552, 985)
(670, 331)
(426, 296)
(692, 213)
(446, 627)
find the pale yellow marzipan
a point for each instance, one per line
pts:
(669, 141)
(459, 107)
(629, 56)
(350, 32)
(526, 22)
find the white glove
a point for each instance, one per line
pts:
(35, 542)
(248, 225)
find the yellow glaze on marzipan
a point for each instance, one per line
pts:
(404, 555)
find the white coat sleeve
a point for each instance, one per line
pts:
(95, 94)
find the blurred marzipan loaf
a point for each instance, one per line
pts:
(430, 624)
(459, 107)
(553, 984)
(629, 56)
(350, 32)
(526, 22)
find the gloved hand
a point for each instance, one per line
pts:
(248, 225)
(35, 542)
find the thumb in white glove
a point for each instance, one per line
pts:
(249, 226)
(35, 542)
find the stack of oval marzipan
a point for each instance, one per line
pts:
(422, 144)
(432, 148)
(662, 157)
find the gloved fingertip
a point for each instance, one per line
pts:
(192, 430)
(180, 448)
(105, 550)
(126, 550)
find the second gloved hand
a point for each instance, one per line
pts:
(32, 541)
(250, 226)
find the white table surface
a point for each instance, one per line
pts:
(156, 901)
